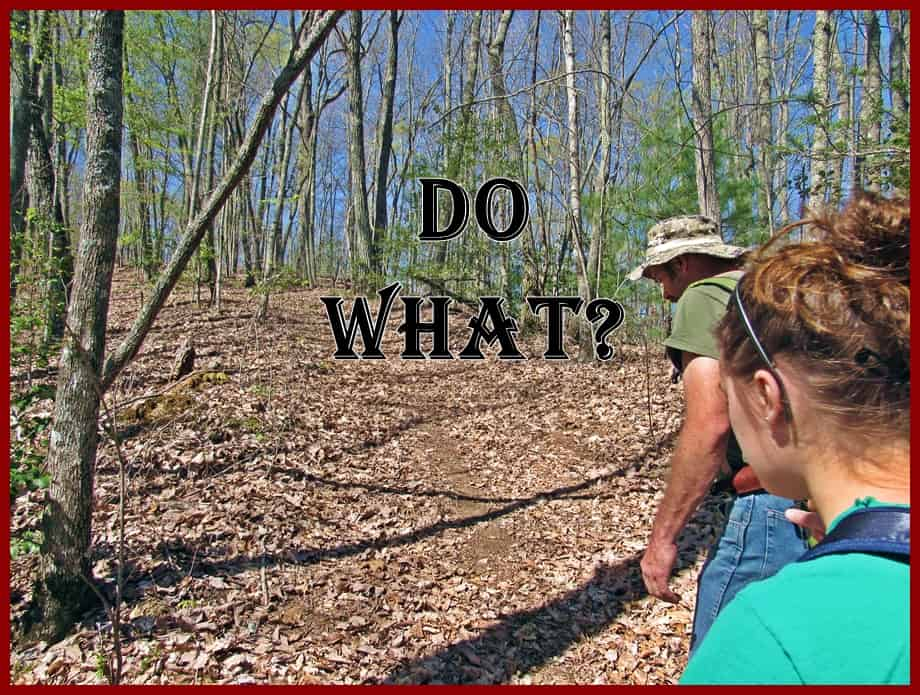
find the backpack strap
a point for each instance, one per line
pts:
(874, 530)
(720, 281)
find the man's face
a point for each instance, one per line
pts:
(672, 276)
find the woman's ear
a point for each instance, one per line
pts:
(767, 397)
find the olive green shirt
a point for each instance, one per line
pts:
(837, 619)
(699, 310)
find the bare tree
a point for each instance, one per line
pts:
(63, 591)
(385, 128)
(43, 184)
(363, 254)
(870, 111)
(821, 44)
(763, 68)
(21, 84)
(707, 190)
(845, 88)
(585, 337)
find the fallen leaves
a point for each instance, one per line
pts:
(380, 521)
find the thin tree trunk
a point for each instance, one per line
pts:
(542, 273)
(764, 71)
(449, 147)
(870, 112)
(466, 97)
(364, 253)
(845, 88)
(586, 352)
(900, 89)
(602, 177)
(707, 191)
(821, 43)
(143, 201)
(42, 186)
(385, 130)
(19, 138)
(62, 165)
(273, 252)
(205, 108)
(63, 591)
(308, 187)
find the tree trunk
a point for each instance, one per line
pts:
(820, 168)
(510, 141)
(449, 158)
(905, 37)
(385, 130)
(63, 592)
(364, 253)
(845, 93)
(542, 273)
(764, 131)
(870, 111)
(143, 201)
(202, 121)
(602, 178)
(586, 343)
(466, 97)
(273, 252)
(707, 191)
(62, 164)
(308, 187)
(900, 88)
(42, 195)
(19, 137)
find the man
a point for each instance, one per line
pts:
(695, 269)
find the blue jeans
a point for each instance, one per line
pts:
(756, 542)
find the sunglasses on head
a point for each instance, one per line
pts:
(771, 365)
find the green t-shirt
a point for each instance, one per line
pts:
(698, 312)
(837, 619)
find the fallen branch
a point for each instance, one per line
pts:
(472, 304)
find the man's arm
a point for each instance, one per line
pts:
(699, 454)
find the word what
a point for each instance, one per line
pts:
(491, 325)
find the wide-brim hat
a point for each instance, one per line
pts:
(676, 236)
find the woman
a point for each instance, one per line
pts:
(815, 358)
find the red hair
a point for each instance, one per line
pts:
(837, 308)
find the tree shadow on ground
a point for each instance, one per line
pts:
(189, 559)
(237, 565)
(525, 640)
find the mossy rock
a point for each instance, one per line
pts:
(166, 406)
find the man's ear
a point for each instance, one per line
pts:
(767, 397)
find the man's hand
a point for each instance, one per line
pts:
(697, 457)
(656, 565)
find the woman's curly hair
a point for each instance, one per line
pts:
(838, 308)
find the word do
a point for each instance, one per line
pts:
(460, 212)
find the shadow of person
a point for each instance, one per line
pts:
(524, 640)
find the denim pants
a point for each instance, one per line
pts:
(756, 542)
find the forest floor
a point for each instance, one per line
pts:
(291, 518)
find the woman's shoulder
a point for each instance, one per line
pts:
(787, 624)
